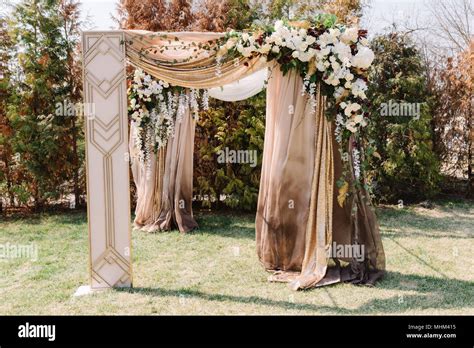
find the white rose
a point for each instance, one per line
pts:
(275, 49)
(295, 54)
(305, 56)
(278, 25)
(343, 51)
(350, 35)
(353, 107)
(334, 33)
(364, 57)
(325, 51)
(310, 40)
(265, 48)
(358, 118)
(350, 125)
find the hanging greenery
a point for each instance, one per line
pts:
(154, 108)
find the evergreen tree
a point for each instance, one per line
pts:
(405, 166)
(42, 139)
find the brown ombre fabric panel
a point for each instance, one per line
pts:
(148, 180)
(298, 216)
(287, 174)
(178, 178)
(165, 186)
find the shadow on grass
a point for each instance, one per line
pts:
(74, 217)
(431, 292)
(425, 226)
(226, 225)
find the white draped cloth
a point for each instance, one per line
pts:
(242, 89)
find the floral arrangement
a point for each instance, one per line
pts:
(155, 107)
(321, 50)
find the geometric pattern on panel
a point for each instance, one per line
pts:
(108, 207)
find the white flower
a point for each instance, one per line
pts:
(350, 35)
(364, 57)
(302, 47)
(326, 39)
(278, 25)
(358, 88)
(335, 65)
(230, 43)
(350, 125)
(247, 52)
(358, 118)
(364, 41)
(310, 40)
(305, 56)
(245, 37)
(343, 51)
(265, 48)
(279, 41)
(339, 92)
(295, 54)
(350, 108)
(334, 32)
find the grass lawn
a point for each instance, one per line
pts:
(215, 270)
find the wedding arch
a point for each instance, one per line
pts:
(312, 190)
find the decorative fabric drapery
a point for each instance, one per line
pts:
(294, 213)
(183, 63)
(241, 89)
(298, 216)
(165, 185)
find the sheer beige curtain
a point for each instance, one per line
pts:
(298, 217)
(165, 185)
(294, 213)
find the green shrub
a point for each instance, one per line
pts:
(405, 166)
